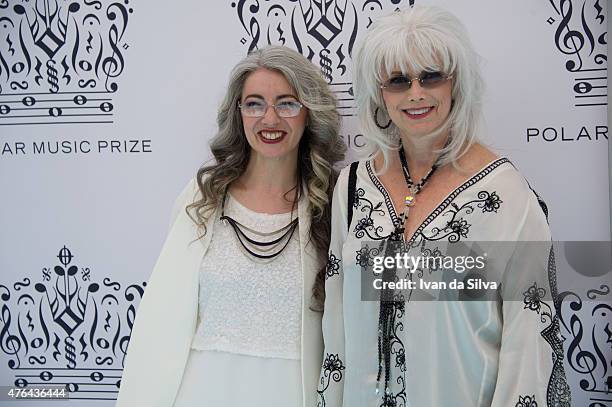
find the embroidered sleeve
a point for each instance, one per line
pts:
(530, 369)
(331, 381)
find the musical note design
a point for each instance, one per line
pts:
(324, 31)
(67, 330)
(60, 61)
(59, 108)
(581, 36)
(586, 327)
(585, 319)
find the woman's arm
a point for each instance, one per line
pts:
(331, 382)
(530, 370)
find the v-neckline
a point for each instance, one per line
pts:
(484, 171)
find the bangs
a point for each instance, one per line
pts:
(417, 39)
(414, 52)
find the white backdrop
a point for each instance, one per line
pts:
(136, 84)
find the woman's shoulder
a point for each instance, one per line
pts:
(190, 192)
(188, 195)
(504, 178)
(481, 165)
(344, 176)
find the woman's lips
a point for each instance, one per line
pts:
(418, 113)
(271, 136)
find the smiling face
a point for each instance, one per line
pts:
(271, 136)
(418, 111)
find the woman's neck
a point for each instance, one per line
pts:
(422, 154)
(267, 185)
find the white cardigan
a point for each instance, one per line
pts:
(167, 315)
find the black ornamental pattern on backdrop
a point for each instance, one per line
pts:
(324, 31)
(581, 36)
(68, 330)
(587, 337)
(60, 60)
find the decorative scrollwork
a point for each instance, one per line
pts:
(64, 320)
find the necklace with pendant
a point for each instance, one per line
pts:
(413, 189)
(389, 305)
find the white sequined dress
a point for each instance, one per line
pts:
(246, 350)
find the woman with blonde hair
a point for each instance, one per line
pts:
(230, 314)
(430, 190)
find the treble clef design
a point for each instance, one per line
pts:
(568, 41)
(9, 343)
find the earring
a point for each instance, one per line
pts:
(378, 124)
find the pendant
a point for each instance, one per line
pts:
(409, 200)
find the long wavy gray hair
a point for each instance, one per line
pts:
(320, 147)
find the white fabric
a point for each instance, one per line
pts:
(166, 320)
(228, 379)
(462, 354)
(249, 321)
(246, 306)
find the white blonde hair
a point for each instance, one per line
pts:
(417, 39)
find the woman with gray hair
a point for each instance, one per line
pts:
(240, 277)
(428, 189)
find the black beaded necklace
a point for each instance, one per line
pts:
(256, 248)
(389, 303)
(414, 189)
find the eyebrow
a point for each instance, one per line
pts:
(277, 98)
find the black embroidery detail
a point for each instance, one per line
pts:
(331, 371)
(557, 391)
(365, 255)
(433, 266)
(467, 184)
(365, 226)
(356, 199)
(388, 400)
(456, 227)
(383, 191)
(541, 202)
(532, 298)
(526, 401)
(491, 203)
(333, 266)
(400, 359)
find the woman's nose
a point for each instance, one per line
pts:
(416, 91)
(270, 116)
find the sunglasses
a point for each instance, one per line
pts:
(427, 80)
(258, 108)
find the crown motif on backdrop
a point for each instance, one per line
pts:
(67, 329)
(59, 60)
(324, 31)
(580, 35)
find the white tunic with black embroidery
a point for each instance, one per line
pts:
(246, 351)
(506, 352)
